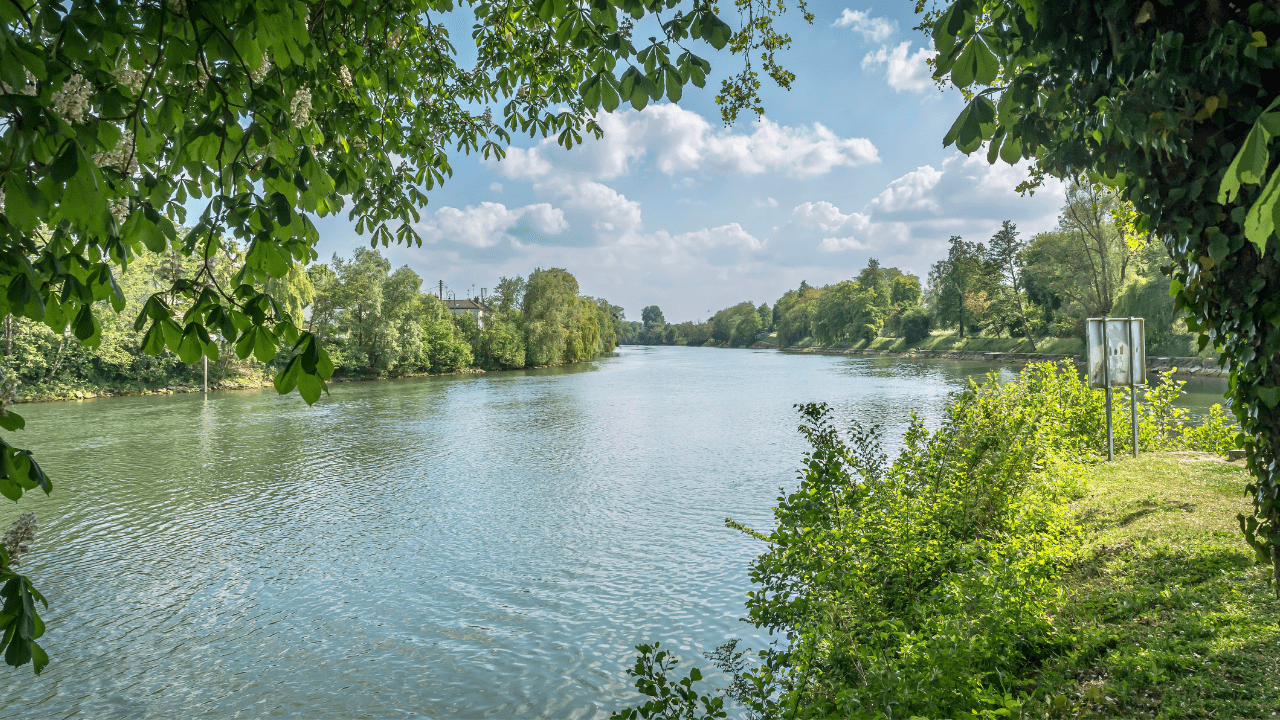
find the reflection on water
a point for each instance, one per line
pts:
(471, 546)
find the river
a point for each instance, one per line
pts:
(455, 547)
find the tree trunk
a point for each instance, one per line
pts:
(57, 359)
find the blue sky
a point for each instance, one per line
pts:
(671, 208)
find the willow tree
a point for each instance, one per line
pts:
(118, 118)
(1174, 105)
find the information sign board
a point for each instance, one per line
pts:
(1117, 347)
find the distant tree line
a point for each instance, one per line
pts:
(880, 301)
(1091, 265)
(375, 321)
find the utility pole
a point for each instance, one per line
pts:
(441, 295)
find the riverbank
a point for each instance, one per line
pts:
(1186, 366)
(53, 392)
(1164, 613)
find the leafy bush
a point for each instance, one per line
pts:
(914, 324)
(925, 586)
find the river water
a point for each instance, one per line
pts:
(457, 547)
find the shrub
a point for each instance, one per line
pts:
(914, 324)
(924, 586)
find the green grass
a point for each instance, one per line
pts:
(1165, 614)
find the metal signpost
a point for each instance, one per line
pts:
(1118, 358)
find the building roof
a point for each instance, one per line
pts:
(465, 304)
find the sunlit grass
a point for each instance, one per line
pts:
(1165, 613)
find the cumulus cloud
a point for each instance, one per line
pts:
(679, 141)
(905, 70)
(911, 191)
(607, 210)
(834, 244)
(489, 223)
(874, 29)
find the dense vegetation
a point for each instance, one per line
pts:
(1092, 264)
(375, 322)
(932, 586)
(1173, 104)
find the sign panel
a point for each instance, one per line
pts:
(1116, 345)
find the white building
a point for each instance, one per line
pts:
(471, 306)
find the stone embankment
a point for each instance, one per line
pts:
(1187, 367)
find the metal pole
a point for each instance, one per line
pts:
(206, 374)
(1106, 384)
(1133, 386)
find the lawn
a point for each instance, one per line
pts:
(1165, 614)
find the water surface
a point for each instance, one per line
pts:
(459, 547)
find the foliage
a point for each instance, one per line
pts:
(914, 324)
(1172, 105)
(667, 700)
(931, 585)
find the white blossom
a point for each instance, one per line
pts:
(301, 107)
(72, 101)
(344, 76)
(28, 89)
(263, 69)
(121, 157)
(19, 534)
(178, 6)
(130, 78)
(120, 211)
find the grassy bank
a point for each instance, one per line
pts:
(951, 341)
(1165, 613)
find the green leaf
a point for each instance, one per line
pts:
(264, 346)
(153, 341)
(976, 124)
(287, 379)
(310, 386)
(12, 421)
(190, 348)
(244, 345)
(1269, 396)
(1261, 220)
(1249, 165)
(609, 94)
(976, 62)
(86, 327)
(172, 334)
(21, 203)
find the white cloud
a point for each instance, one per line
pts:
(826, 217)
(874, 29)
(606, 209)
(905, 70)
(911, 191)
(767, 202)
(731, 235)
(495, 186)
(679, 140)
(860, 230)
(487, 224)
(833, 244)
